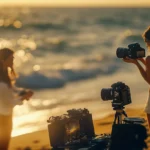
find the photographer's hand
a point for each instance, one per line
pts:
(142, 60)
(129, 60)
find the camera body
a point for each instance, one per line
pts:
(119, 93)
(133, 51)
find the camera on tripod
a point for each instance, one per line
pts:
(133, 51)
(127, 133)
(119, 93)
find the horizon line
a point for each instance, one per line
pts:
(145, 5)
(75, 6)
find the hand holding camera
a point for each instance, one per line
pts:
(130, 60)
(134, 51)
(132, 54)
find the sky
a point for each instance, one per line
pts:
(82, 3)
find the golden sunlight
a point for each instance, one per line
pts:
(75, 3)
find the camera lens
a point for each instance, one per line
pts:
(122, 52)
(107, 94)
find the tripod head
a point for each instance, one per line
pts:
(119, 112)
(117, 107)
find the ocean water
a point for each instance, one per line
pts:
(67, 55)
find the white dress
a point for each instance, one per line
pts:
(8, 101)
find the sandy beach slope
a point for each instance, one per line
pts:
(40, 139)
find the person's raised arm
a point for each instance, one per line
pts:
(143, 72)
(141, 69)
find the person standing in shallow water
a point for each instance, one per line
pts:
(145, 71)
(8, 98)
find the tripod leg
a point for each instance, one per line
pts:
(118, 119)
(124, 113)
(115, 118)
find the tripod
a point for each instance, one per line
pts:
(118, 114)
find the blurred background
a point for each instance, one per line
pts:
(66, 52)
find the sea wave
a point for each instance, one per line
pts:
(47, 26)
(37, 80)
(114, 21)
(133, 38)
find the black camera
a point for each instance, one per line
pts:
(133, 51)
(119, 93)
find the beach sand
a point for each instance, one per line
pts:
(40, 140)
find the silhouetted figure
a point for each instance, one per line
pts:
(8, 98)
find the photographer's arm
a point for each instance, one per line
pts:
(143, 72)
(141, 69)
(142, 60)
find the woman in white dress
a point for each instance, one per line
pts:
(145, 71)
(8, 98)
